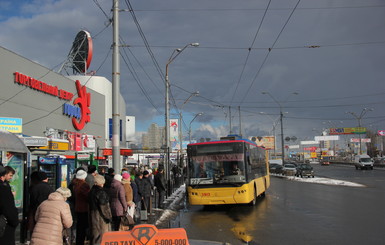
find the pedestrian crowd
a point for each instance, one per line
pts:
(93, 203)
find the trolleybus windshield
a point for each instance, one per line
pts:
(222, 163)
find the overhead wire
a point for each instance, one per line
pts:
(249, 51)
(268, 53)
(144, 39)
(255, 9)
(49, 113)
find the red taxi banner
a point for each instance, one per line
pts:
(146, 234)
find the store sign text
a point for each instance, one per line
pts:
(80, 114)
(42, 86)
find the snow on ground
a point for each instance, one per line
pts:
(320, 180)
(173, 204)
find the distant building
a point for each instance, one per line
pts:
(154, 138)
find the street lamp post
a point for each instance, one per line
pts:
(181, 123)
(275, 122)
(189, 128)
(174, 54)
(359, 118)
(281, 120)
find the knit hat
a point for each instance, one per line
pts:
(99, 180)
(118, 177)
(81, 174)
(42, 176)
(126, 176)
(64, 191)
(145, 172)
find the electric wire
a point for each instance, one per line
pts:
(137, 79)
(255, 9)
(249, 50)
(49, 113)
(267, 55)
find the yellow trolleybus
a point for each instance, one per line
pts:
(229, 171)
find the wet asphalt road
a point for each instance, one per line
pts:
(294, 212)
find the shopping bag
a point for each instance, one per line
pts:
(143, 214)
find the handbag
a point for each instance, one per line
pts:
(3, 224)
(125, 222)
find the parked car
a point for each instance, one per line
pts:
(275, 168)
(305, 170)
(289, 169)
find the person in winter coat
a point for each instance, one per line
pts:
(81, 190)
(100, 211)
(147, 191)
(136, 198)
(52, 216)
(160, 183)
(118, 201)
(8, 209)
(126, 181)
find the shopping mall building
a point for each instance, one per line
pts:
(53, 123)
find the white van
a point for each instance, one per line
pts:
(363, 161)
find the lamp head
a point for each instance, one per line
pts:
(194, 44)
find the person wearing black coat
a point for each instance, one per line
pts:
(9, 210)
(147, 191)
(137, 199)
(160, 184)
(39, 192)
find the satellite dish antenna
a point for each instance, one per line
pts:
(80, 55)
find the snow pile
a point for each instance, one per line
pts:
(173, 205)
(320, 180)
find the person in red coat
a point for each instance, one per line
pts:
(81, 190)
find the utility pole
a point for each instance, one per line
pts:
(115, 89)
(231, 132)
(240, 121)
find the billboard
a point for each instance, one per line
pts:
(326, 137)
(354, 140)
(267, 142)
(174, 130)
(357, 130)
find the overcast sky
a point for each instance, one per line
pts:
(330, 52)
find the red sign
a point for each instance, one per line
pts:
(42, 86)
(381, 132)
(84, 102)
(313, 148)
(123, 152)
